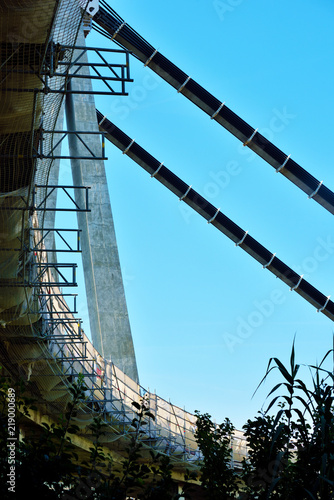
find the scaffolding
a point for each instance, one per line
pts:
(42, 340)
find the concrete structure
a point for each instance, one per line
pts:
(109, 321)
(40, 339)
(50, 216)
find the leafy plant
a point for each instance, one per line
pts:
(290, 448)
(299, 438)
(218, 477)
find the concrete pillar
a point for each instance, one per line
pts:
(108, 315)
(50, 216)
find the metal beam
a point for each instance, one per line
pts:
(127, 37)
(214, 216)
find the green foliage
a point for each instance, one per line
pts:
(150, 480)
(267, 442)
(291, 454)
(217, 476)
(290, 444)
(45, 461)
(290, 448)
(48, 468)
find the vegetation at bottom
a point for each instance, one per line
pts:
(290, 449)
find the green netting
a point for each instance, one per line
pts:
(31, 34)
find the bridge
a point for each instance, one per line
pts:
(46, 73)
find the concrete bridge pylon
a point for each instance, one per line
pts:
(108, 314)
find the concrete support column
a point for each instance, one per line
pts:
(109, 321)
(50, 216)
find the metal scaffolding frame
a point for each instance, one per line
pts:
(119, 73)
(49, 189)
(79, 135)
(52, 338)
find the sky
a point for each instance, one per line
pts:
(205, 317)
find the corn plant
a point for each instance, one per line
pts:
(291, 453)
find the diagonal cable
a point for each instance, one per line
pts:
(215, 217)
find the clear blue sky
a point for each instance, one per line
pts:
(205, 316)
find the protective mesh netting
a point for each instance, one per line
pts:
(31, 33)
(64, 32)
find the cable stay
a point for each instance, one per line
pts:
(215, 217)
(109, 23)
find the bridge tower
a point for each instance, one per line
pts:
(108, 314)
